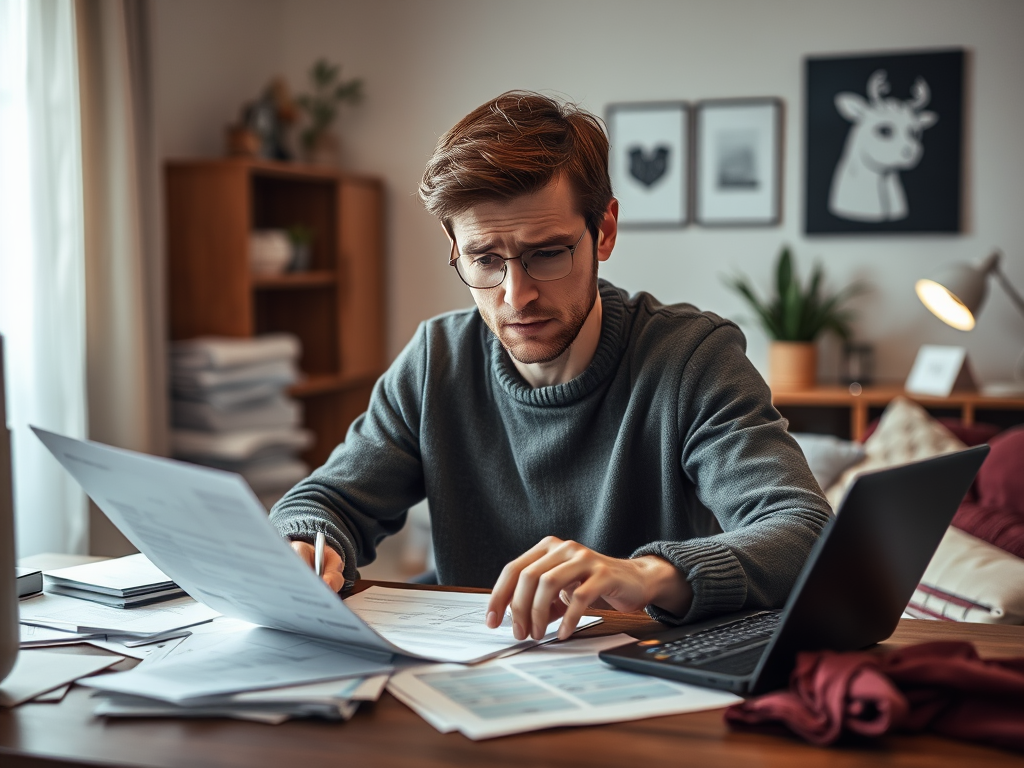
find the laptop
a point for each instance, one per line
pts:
(855, 585)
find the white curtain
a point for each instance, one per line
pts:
(126, 376)
(42, 276)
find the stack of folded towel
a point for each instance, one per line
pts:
(229, 409)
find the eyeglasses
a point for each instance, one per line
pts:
(488, 270)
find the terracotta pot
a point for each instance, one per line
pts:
(326, 150)
(792, 365)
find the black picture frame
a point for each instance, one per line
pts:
(649, 162)
(884, 135)
(738, 167)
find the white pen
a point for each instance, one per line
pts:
(318, 554)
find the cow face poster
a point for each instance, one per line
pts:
(884, 143)
(649, 162)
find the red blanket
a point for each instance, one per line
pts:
(943, 687)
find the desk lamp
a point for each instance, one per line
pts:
(956, 294)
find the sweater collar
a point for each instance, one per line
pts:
(606, 358)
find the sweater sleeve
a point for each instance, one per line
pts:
(752, 476)
(363, 492)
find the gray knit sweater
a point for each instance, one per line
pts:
(666, 444)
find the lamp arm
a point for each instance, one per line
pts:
(1010, 290)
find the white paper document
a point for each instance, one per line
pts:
(39, 671)
(208, 532)
(553, 685)
(252, 659)
(426, 621)
(32, 636)
(72, 614)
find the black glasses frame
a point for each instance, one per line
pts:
(453, 261)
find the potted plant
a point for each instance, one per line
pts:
(794, 318)
(301, 238)
(319, 143)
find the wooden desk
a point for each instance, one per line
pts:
(967, 403)
(389, 734)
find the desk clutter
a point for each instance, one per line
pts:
(193, 663)
(230, 410)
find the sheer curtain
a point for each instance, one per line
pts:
(42, 277)
(126, 377)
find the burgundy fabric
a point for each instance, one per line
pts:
(943, 687)
(968, 434)
(994, 511)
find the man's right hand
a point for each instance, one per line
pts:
(334, 564)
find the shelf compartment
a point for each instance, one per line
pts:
(310, 315)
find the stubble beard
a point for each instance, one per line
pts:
(527, 351)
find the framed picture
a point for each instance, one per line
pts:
(738, 162)
(649, 162)
(884, 137)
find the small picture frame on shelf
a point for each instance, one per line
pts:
(738, 162)
(649, 162)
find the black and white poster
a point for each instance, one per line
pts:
(884, 137)
(649, 162)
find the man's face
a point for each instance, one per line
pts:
(535, 321)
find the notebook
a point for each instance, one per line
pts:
(856, 582)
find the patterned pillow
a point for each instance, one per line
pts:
(906, 432)
(970, 580)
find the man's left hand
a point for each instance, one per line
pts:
(563, 578)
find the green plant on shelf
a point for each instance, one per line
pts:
(797, 312)
(321, 105)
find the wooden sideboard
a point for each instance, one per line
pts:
(966, 405)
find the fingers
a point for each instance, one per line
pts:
(334, 564)
(505, 586)
(535, 601)
(563, 579)
(540, 586)
(305, 551)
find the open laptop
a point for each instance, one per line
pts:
(856, 582)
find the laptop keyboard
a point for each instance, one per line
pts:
(716, 641)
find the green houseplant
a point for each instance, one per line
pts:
(329, 91)
(794, 317)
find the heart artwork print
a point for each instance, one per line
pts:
(645, 168)
(647, 162)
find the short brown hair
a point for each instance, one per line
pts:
(515, 145)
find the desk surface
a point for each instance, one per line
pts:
(388, 734)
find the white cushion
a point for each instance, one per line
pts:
(971, 580)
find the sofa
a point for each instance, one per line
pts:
(977, 573)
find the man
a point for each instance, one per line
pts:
(575, 444)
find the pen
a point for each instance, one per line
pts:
(318, 556)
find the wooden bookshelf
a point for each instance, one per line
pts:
(862, 404)
(336, 308)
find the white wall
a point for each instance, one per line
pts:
(428, 63)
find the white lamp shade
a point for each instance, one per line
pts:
(956, 294)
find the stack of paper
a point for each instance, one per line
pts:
(230, 668)
(229, 410)
(121, 582)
